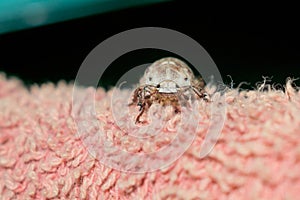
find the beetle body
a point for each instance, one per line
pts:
(164, 82)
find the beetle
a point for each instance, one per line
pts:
(164, 82)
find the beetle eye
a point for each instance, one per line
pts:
(158, 86)
(150, 78)
(185, 79)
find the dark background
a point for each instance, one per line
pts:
(245, 43)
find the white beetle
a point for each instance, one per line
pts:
(163, 81)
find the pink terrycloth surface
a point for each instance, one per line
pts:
(257, 156)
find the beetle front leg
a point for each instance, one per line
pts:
(139, 100)
(144, 107)
(142, 98)
(142, 110)
(136, 97)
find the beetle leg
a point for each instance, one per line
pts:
(142, 109)
(145, 102)
(140, 97)
(202, 94)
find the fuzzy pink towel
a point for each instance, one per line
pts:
(42, 157)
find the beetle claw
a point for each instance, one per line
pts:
(141, 106)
